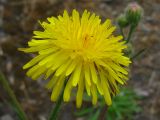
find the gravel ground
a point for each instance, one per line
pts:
(18, 18)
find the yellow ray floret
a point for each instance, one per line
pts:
(81, 50)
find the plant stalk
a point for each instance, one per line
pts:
(103, 113)
(121, 30)
(14, 102)
(137, 54)
(132, 28)
(54, 112)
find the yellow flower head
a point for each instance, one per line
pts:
(81, 50)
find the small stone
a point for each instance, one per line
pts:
(6, 117)
(141, 92)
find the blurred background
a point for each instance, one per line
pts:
(18, 18)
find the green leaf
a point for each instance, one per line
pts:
(84, 111)
(95, 115)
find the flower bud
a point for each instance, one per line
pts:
(122, 21)
(133, 13)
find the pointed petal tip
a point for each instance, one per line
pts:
(109, 103)
(21, 49)
(24, 67)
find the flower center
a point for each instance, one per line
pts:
(87, 41)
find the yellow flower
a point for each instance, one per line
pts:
(81, 50)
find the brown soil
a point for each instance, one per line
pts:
(18, 18)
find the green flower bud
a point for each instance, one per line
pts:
(133, 13)
(122, 21)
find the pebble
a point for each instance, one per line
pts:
(6, 117)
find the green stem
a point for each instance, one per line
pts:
(121, 30)
(54, 112)
(137, 54)
(14, 102)
(103, 113)
(132, 28)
